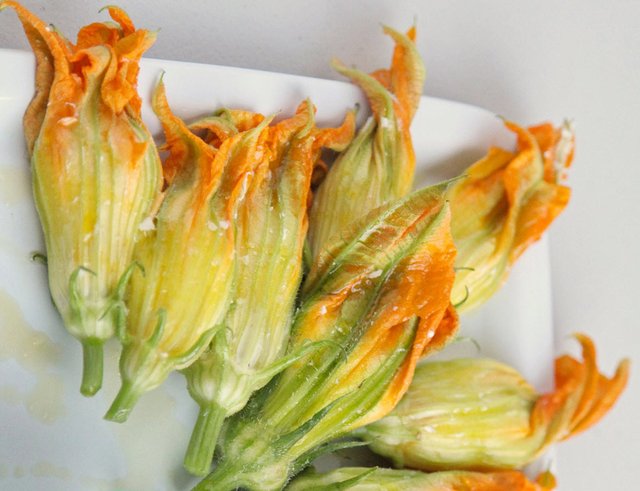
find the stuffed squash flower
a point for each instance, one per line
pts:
(379, 164)
(504, 205)
(96, 172)
(180, 301)
(270, 231)
(372, 305)
(379, 479)
(481, 414)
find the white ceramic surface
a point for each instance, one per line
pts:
(57, 440)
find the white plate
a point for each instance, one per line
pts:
(53, 438)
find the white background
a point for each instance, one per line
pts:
(527, 60)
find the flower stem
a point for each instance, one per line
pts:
(124, 402)
(92, 366)
(204, 438)
(223, 478)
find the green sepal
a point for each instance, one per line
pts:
(155, 365)
(285, 442)
(305, 460)
(267, 373)
(343, 485)
(76, 302)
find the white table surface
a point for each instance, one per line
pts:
(529, 61)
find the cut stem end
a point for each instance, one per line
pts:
(92, 366)
(203, 439)
(123, 404)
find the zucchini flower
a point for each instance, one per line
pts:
(504, 205)
(180, 301)
(270, 230)
(378, 166)
(372, 305)
(96, 172)
(380, 479)
(481, 414)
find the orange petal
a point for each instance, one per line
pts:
(524, 171)
(225, 124)
(512, 481)
(422, 289)
(406, 73)
(127, 46)
(582, 395)
(245, 120)
(589, 379)
(97, 34)
(121, 17)
(606, 396)
(599, 393)
(542, 207)
(214, 132)
(383, 75)
(444, 333)
(282, 132)
(549, 139)
(185, 148)
(50, 50)
(120, 90)
(338, 138)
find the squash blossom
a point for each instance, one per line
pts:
(270, 230)
(481, 414)
(505, 204)
(95, 170)
(379, 164)
(187, 255)
(380, 479)
(372, 305)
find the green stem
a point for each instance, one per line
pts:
(124, 402)
(92, 366)
(204, 438)
(223, 478)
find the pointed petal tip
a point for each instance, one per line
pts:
(596, 394)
